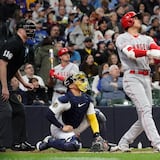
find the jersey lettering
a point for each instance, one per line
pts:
(8, 54)
(140, 46)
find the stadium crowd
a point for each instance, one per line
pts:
(88, 30)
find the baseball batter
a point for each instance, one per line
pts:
(134, 50)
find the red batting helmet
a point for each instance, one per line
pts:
(62, 51)
(128, 19)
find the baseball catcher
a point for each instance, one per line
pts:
(70, 115)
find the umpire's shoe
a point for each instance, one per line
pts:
(25, 146)
(2, 149)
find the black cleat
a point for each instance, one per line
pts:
(2, 149)
(25, 146)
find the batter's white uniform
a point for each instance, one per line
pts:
(68, 70)
(136, 83)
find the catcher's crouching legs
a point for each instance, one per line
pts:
(71, 144)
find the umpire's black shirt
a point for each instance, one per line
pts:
(13, 51)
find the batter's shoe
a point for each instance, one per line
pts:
(157, 149)
(124, 145)
(124, 148)
(113, 147)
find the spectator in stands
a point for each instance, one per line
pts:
(110, 47)
(98, 36)
(81, 31)
(35, 13)
(145, 21)
(55, 34)
(114, 37)
(156, 11)
(61, 14)
(89, 67)
(17, 17)
(150, 5)
(102, 25)
(75, 55)
(113, 59)
(10, 8)
(105, 6)
(71, 26)
(120, 11)
(111, 86)
(88, 48)
(62, 18)
(38, 95)
(21, 95)
(141, 8)
(108, 35)
(100, 56)
(85, 7)
(40, 34)
(67, 3)
(29, 73)
(51, 20)
(102, 72)
(42, 56)
(114, 24)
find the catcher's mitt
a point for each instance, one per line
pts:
(99, 145)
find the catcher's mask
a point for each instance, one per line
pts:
(79, 80)
(29, 27)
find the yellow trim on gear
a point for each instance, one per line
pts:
(93, 122)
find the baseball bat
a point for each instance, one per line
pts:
(51, 57)
(61, 78)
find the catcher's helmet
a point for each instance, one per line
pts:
(128, 19)
(62, 51)
(79, 80)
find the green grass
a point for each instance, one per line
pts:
(52, 154)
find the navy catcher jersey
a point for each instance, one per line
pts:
(79, 107)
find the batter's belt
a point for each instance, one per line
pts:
(142, 72)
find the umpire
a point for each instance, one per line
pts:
(12, 57)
